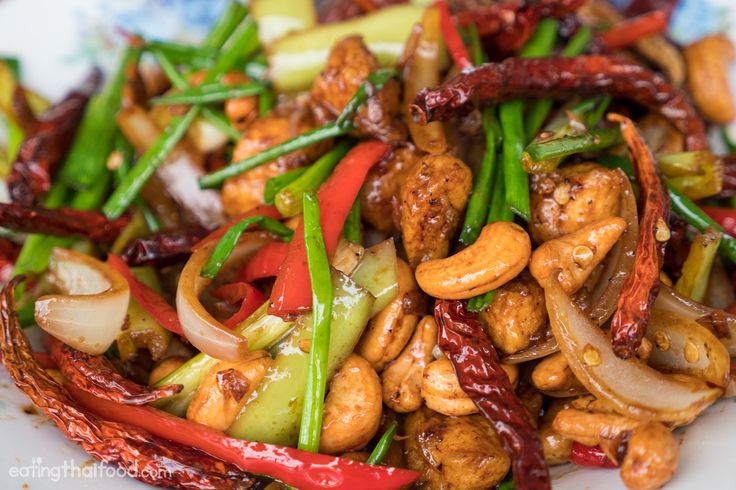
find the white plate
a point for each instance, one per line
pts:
(57, 41)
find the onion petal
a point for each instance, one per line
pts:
(632, 388)
(201, 329)
(90, 313)
(683, 346)
(723, 324)
(604, 297)
(537, 351)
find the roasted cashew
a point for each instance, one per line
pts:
(389, 331)
(402, 379)
(591, 428)
(553, 376)
(576, 254)
(651, 457)
(352, 410)
(500, 254)
(708, 61)
(556, 447)
(225, 390)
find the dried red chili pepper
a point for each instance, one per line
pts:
(629, 322)
(162, 249)
(337, 10)
(145, 457)
(638, 7)
(97, 375)
(633, 30)
(506, 27)
(478, 368)
(8, 254)
(452, 39)
(549, 77)
(61, 222)
(41, 153)
(590, 456)
(22, 111)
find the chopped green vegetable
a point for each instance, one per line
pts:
(379, 452)
(266, 102)
(209, 93)
(697, 174)
(696, 270)
(475, 216)
(319, 350)
(351, 230)
(479, 303)
(94, 140)
(275, 184)
(127, 191)
(327, 131)
(224, 27)
(186, 54)
(226, 244)
(289, 200)
(543, 156)
(516, 180)
(241, 44)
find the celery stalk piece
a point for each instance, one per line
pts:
(697, 266)
(296, 59)
(377, 273)
(276, 18)
(272, 414)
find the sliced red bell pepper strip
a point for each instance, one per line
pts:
(292, 291)
(44, 360)
(723, 216)
(631, 31)
(266, 262)
(240, 291)
(590, 456)
(454, 43)
(149, 299)
(264, 210)
(297, 468)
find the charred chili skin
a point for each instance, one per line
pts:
(147, 458)
(516, 78)
(162, 249)
(479, 371)
(40, 154)
(96, 375)
(629, 322)
(60, 222)
(506, 26)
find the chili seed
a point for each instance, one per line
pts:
(691, 352)
(591, 356)
(661, 340)
(582, 255)
(662, 231)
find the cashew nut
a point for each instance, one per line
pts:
(389, 331)
(402, 379)
(352, 410)
(576, 254)
(707, 73)
(516, 315)
(500, 253)
(225, 390)
(553, 376)
(591, 429)
(651, 457)
(442, 392)
(556, 448)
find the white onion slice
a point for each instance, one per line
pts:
(91, 312)
(201, 329)
(683, 346)
(633, 388)
(536, 351)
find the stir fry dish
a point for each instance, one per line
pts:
(378, 245)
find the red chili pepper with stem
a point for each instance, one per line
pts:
(590, 456)
(454, 43)
(516, 78)
(639, 290)
(265, 262)
(162, 249)
(478, 369)
(292, 291)
(149, 299)
(249, 297)
(300, 469)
